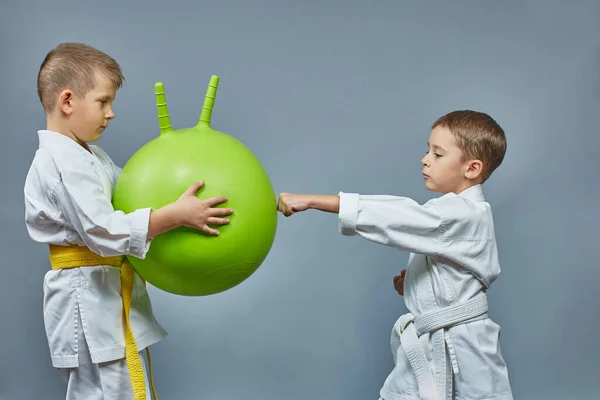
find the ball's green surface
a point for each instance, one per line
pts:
(186, 261)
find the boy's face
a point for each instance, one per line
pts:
(444, 169)
(89, 116)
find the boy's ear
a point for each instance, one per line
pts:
(65, 101)
(474, 169)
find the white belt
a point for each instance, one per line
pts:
(409, 328)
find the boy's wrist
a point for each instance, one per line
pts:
(164, 219)
(326, 203)
(311, 202)
(173, 215)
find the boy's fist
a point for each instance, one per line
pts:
(399, 282)
(290, 203)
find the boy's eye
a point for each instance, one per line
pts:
(437, 155)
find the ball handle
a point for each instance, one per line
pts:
(164, 122)
(209, 101)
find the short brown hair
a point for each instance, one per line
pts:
(478, 136)
(74, 66)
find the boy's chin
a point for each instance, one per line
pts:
(432, 188)
(94, 138)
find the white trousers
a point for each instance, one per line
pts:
(103, 381)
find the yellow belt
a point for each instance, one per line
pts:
(62, 257)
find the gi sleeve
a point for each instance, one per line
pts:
(392, 221)
(81, 198)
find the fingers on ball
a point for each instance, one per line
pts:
(220, 211)
(210, 231)
(217, 221)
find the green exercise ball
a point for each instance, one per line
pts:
(187, 261)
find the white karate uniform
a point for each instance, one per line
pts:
(446, 347)
(68, 195)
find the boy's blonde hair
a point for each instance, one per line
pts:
(74, 66)
(478, 136)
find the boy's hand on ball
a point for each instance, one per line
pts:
(290, 203)
(199, 214)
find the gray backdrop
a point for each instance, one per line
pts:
(333, 95)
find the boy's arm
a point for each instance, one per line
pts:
(163, 219)
(81, 198)
(293, 203)
(325, 203)
(389, 220)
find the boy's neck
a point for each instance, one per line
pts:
(58, 126)
(464, 186)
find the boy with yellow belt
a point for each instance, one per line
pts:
(97, 313)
